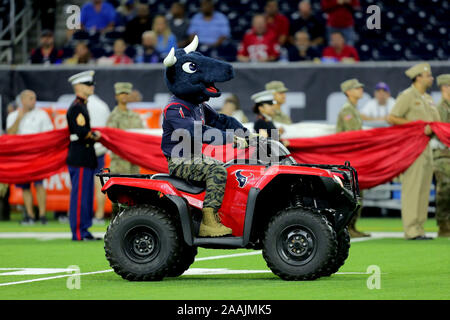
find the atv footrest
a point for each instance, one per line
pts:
(219, 242)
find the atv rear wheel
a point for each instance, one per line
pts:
(343, 248)
(142, 244)
(298, 244)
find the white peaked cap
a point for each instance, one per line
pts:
(84, 76)
(266, 95)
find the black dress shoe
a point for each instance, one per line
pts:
(421, 238)
(91, 238)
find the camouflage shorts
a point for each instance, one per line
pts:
(207, 169)
(442, 174)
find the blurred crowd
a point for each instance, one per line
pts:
(127, 31)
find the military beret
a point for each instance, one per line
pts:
(85, 76)
(123, 87)
(417, 69)
(276, 86)
(443, 79)
(351, 84)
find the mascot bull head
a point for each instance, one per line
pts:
(191, 76)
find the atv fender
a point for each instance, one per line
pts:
(156, 185)
(165, 189)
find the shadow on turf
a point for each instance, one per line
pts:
(259, 277)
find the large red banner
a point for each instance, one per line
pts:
(58, 184)
(379, 155)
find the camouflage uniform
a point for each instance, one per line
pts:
(349, 119)
(281, 117)
(442, 171)
(4, 206)
(3, 189)
(123, 119)
(206, 169)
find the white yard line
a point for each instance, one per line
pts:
(229, 255)
(54, 277)
(386, 235)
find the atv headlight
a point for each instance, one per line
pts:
(338, 180)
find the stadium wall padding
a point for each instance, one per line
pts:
(317, 82)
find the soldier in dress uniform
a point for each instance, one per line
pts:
(265, 111)
(123, 118)
(81, 158)
(411, 105)
(441, 159)
(349, 119)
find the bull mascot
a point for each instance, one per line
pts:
(191, 78)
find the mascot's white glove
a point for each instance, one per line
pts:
(240, 143)
(253, 138)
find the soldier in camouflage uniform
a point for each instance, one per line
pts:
(441, 157)
(349, 119)
(4, 208)
(123, 118)
(3, 189)
(279, 95)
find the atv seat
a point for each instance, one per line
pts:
(192, 187)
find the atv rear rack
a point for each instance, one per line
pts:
(105, 174)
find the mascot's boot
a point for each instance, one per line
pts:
(211, 225)
(444, 229)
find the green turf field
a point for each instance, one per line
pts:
(409, 270)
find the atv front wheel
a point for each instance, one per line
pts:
(343, 248)
(187, 258)
(299, 244)
(142, 244)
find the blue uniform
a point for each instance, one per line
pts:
(81, 201)
(180, 114)
(82, 164)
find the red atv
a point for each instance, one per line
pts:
(296, 213)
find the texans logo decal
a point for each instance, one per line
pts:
(241, 179)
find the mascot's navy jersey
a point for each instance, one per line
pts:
(181, 114)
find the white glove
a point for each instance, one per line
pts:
(240, 143)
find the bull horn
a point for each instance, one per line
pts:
(192, 46)
(170, 60)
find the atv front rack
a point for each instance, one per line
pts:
(350, 175)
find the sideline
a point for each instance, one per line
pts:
(44, 236)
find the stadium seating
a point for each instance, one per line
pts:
(410, 30)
